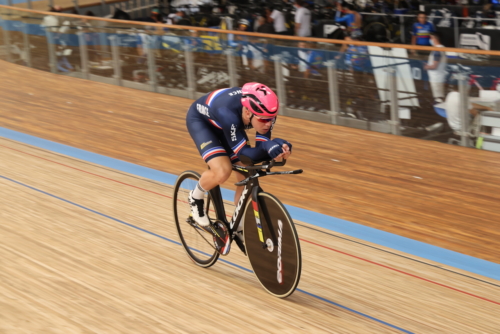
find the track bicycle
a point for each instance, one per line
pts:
(269, 239)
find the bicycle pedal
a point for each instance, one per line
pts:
(190, 221)
(222, 240)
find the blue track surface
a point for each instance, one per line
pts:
(410, 246)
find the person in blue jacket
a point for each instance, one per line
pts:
(351, 18)
(422, 30)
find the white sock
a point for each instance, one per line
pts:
(199, 192)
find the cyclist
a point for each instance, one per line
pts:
(217, 124)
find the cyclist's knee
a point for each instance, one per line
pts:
(222, 174)
(221, 169)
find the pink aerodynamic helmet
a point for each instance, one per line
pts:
(259, 99)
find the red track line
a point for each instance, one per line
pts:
(400, 271)
(84, 171)
(313, 243)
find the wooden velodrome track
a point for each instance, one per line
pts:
(70, 264)
(88, 249)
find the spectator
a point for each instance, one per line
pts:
(422, 30)
(309, 60)
(358, 66)
(277, 18)
(352, 19)
(181, 19)
(153, 17)
(156, 16)
(60, 38)
(357, 59)
(453, 106)
(243, 25)
(302, 19)
(50, 22)
(120, 15)
(263, 26)
(253, 55)
(436, 67)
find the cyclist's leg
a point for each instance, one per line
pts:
(213, 150)
(219, 172)
(207, 141)
(235, 161)
(239, 189)
(216, 152)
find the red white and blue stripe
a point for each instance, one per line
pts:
(213, 151)
(239, 146)
(261, 138)
(214, 123)
(234, 157)
(213, 95)
(227, 245)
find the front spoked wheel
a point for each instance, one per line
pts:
(197, 243)
(278, 264)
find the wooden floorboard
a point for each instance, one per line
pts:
(69, 270)
(440, 194)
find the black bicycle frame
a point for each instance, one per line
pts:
(252, 188)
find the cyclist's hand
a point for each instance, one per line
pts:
(273, 148)
(283, 142)
(286, 151)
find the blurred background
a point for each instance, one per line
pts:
(399, 90)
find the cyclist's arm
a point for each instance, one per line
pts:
(238, 140)
(241, 147)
